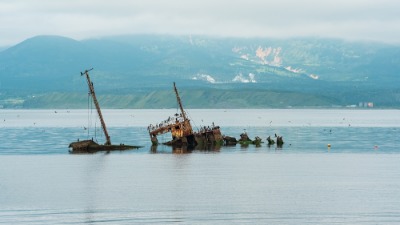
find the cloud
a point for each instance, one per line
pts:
(356, 19)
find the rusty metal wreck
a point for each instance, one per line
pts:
(182, 132)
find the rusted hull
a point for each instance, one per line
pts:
(229, 140)
(90, 147)
(200, 140)
(209, 137)
(188, 141)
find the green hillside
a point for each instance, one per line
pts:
(192, 99)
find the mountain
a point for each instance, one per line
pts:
(305, 72)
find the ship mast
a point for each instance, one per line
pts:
(92, 93)
(180, 103)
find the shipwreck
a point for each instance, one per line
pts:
(90, 146)
(182, 132)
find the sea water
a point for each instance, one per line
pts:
(354, 181)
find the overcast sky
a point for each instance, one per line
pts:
(377, 20)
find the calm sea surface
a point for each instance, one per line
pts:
(355, 181)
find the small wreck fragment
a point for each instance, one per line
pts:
(279, 141)
(245, 140)
(90, 146)
(229, 141)
(270, 141)
(182, 132)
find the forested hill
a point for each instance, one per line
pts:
(138, 71)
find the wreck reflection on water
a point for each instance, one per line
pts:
(184, 149)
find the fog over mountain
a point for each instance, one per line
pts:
(349, 20)
(44, 71)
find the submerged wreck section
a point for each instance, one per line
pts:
(245, 140)
(182, 132)
(209, 136)
(90, 146)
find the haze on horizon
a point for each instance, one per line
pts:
(368, 20)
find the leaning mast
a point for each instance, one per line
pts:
(179, 102)
(187, 127)
(96, 103)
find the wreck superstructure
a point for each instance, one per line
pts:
(178, 125)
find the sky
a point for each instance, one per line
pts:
(371, 20)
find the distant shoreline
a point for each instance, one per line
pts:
(221, 117)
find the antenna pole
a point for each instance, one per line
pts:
(179, 102)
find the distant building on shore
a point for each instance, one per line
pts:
(366, 104)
